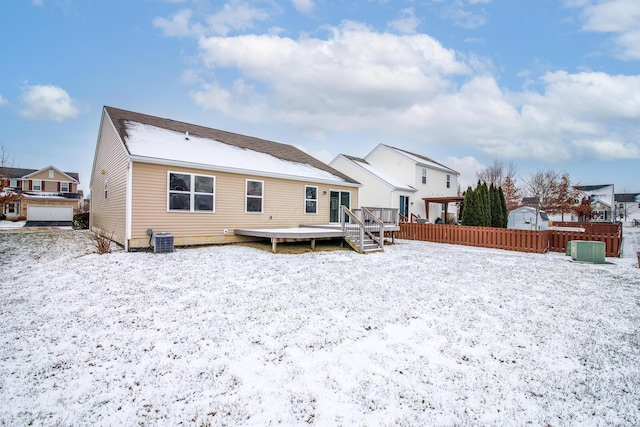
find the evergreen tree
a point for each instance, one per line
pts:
(469, 207)
(496, 208)
(503, 207)
(484, 205)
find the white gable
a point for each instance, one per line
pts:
(399, 185)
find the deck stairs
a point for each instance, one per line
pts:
(365, 246)
(365, 227)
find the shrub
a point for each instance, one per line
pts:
(81, 221)
(102, 242)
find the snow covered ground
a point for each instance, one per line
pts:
(422, 334)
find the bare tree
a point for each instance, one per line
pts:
(512, 193)
(493, 174)
(542, 186)
(7, 195)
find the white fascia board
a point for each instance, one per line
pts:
(209, 167)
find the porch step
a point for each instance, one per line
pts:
(368, 246)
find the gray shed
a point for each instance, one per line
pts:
(524, 218)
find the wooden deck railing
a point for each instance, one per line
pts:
(502, 238)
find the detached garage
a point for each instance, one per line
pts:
(49, 213)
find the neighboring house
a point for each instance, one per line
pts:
(47, 194)
(628, 208)
(394, 178)
(602, 201)
(153, 175)
(524, 218)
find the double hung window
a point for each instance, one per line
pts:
(310, 199)
(254, 196)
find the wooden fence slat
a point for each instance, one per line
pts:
(513, 240)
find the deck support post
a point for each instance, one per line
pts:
(274, 244)
(313, 244)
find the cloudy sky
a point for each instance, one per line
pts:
(544, 83)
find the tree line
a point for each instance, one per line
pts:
(498, 192)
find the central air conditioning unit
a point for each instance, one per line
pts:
(162, 243)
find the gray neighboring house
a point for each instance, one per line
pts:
(627, 208)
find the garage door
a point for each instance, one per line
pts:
(49, 213)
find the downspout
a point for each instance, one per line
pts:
(128, 206)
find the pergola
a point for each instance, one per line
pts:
(441, 200)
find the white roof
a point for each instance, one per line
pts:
(423, 161)
(153, 142)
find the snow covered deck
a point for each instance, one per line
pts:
(280, 235)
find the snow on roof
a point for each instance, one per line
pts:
(423, 160)
(383, 176)
(154, 142)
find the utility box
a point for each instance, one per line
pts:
(584, 251)
(162, 243)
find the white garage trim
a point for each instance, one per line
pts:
(49, 213)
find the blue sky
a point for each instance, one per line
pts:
(543, 83)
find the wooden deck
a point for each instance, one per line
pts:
(280, 235)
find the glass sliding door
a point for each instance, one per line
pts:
(337, 199)
(404, 206)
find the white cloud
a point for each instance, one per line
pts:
(468, 167)
(463, 13)
(178, 25)
(233, 16)
(3, 101)
(353, 70)
(609, 149)
(619, 17)
(406, 23)
(409, 88)
(47, 102)
(36, 2)
(303, 6)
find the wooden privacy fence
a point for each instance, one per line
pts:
(503, 238)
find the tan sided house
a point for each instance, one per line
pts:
(47, 195)
(154, 175)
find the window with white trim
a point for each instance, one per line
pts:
(254, 195)
(310, 199)
(13, 183)
(191, 192)
(106, 188)
(64, 187)
(37, 185)
(448, 181)
(51, 173)
(424, 176)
